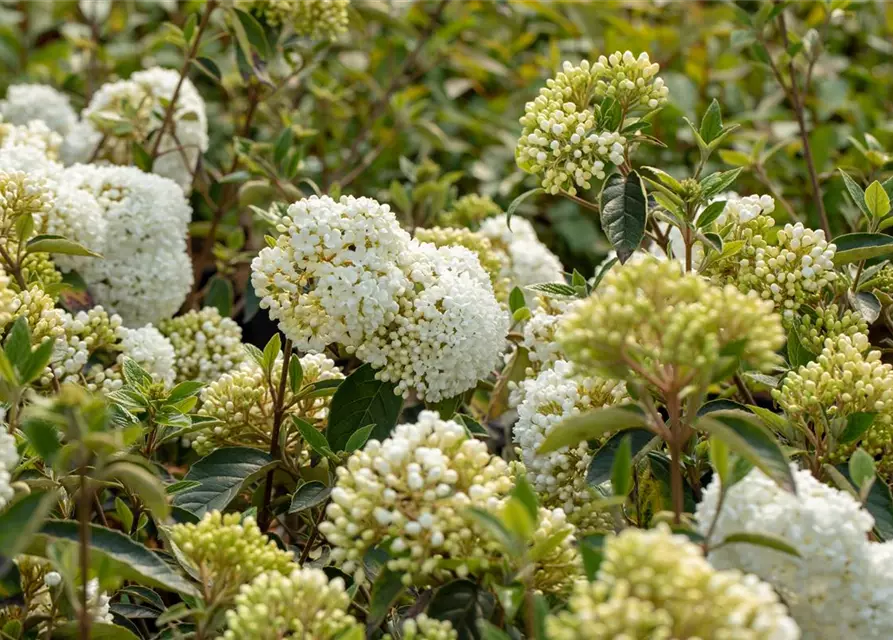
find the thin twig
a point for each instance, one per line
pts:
(184, 71)
(278, 415)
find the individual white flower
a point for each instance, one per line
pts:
(98, 602)
(27, 102)
(141, 101)
(450, 330)
(145, 272)
(333, 274)
(9, 458)
(529, 260)
(560, 477)
(52, 579)
(834, 589)
(151, 350)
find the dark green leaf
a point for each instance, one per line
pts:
(517, 202)
(295, 374)
(856, 192)
(359, 438)
(221, 475)
(220, 296)
(459, 602)
(746, 437)
(623, 213)
(602, 462)
(718, 182)
(21, 520)
(359, 401)
(43, 436)
(711, 123)
(855, 247)
(185, 389)
(309, 494)
(621, 470)
(710, 214)
(856, 425)
(128, 559)
(312, 436)
(98, 631)
(385, 590)
(798, 355)
(447, 407)
(879, 503)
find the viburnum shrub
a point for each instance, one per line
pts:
(345, 319)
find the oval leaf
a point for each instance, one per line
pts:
(309, 495)
(761, 539)
(591, 425)
(362, 400)
(623, 212)
(58, 244)
(221, 476)
(855, 247)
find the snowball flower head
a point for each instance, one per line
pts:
(560, 477)
(34, 135)
(145, 272)
(151, 350)
(302, 603)
(332, 275)
(411, 493)
(230, 550)
(835, 589)
(450, 330)
(141, 100)
(27, 102)
(241, 402)
(9, 458)
(206, 344)
(656, 584)
(655, 315)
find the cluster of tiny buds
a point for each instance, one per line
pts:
(630, 80)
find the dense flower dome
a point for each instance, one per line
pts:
(528, 261)
(656, 584)
(142, 100)
(206, 344)
(560, 477)
(27, 102)
(837, 588)
(145, 272)
(301, 604)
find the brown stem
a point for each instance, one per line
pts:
(796, 100)
(308, 546)
(169, 112)
(278, 415)
(743, 390)
(84, 507)
(583, 203)
(675, 444)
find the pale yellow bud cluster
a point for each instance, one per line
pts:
(651, 319)
(657, 585)
(424, 628)
(828, 322)
(296, 605)
(318, 19)
(468, 211)
(206, 344)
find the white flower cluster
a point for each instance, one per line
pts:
(528, 260)
(841, 586)
(206, 344)
(34, 139)
(345, 272)
(741, 210)
(543, 348)
(145, 272)
(141, 102)
(98, 602)
(560, 477)
(27, 102)
(411, 493)
(301, 604)
(9, 458)
(151, 350)
(632, 81)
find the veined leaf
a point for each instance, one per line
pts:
(359, 401)
(855, 247)
(221, 476)
(591, 425)
(623, 213)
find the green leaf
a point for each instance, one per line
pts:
(185, 389)
(140, 481)
(554, 289)
(180, 485)
(221, 476)
(798, 355)
(602, 462)
(271, 352)
(309, 495)
(517, 202)
(209, 67)
(43, 436)
(474, 428)
(666, 179)
(525, 494)
(861, 468)
(220, 296)
(254, 34)
(388, 586)
(748, 438)
(718, 182)
(879, 503)
(283, 144)
(314, 439)
(516, 300)
(448, 407)
(621, 475)
(719, 456)
(711, 123)
(590, 426)
(490, 631)
(18, 344)
(856, 193)
(855, 247)
(760, 539)
(601, 271)
(295, 374)
(57, 244)
(98, 631)
(21, 520)
(128, 560)
(359, 401)
(135, 375)
(877, 200)
(359, 438)
(591, 550)
(710, 214)
(623, 213)
(461, 602)
(856, 425)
